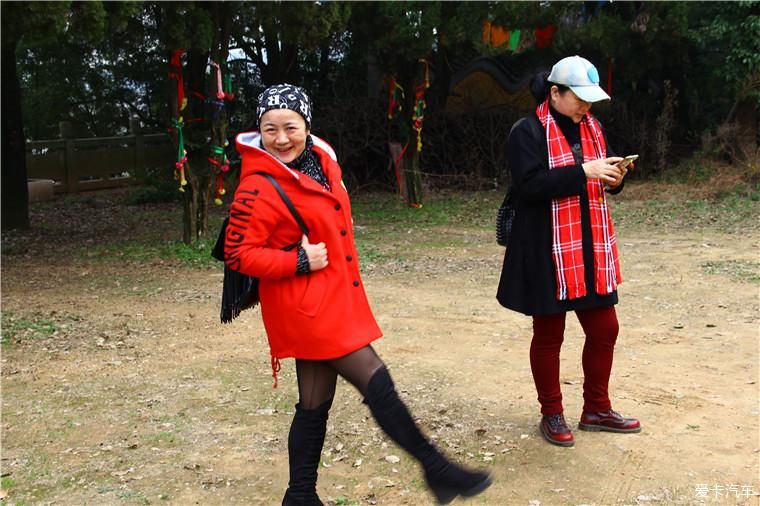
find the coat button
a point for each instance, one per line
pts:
(601, 200)
(349, 258)
(356, 283)
(343, 232)
(337, 207)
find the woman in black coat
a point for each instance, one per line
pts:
(562, 255)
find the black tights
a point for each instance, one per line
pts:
(317, 378)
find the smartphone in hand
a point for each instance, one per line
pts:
(625, 162)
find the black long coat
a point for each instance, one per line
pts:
(528, 280)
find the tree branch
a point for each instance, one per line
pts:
(248, 49)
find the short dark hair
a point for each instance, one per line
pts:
(540, 86)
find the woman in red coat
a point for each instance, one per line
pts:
(312, 298)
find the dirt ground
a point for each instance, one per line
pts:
(140, 396)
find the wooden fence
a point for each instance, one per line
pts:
(95, 163)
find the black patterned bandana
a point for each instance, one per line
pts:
(285, 96)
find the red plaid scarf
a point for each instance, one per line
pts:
(567, 243)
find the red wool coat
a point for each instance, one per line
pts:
(321, 315)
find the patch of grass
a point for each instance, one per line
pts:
(166, 437)
(195, 255)
(731, 213)
(191, 255)
(345, 501)
(132, 495)
(475, 209)
(17, 328)
(151, 195)
(369, 253)
(736, 269)
(7, 483)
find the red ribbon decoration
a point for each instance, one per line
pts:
(175, 72)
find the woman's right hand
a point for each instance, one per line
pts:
(604, 169)
(316, 253)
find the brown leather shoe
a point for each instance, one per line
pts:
(555, 430)
(609, 421)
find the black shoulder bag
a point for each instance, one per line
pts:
(240, 292)
(505, 216)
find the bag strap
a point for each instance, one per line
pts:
(287, 201)
(536, 128)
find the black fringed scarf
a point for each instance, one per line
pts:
(239, 291)
(308, 163)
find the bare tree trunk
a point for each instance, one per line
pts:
(15, 193)
(413, 176)
(189, 206)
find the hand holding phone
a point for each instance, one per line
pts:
(628, 160)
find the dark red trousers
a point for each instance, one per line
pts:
(601, 328)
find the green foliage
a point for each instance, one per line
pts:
(397, 33)
(461, 24)
(88, 21)
(34, 22)
(183, 24)
(729, 42)
(524, 14)
(677, 67)
(81, 75)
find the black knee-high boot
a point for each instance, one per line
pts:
(307, 435)
(446, 479)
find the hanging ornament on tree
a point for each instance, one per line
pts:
(219, 86)
(219, 189)
(179, 165)
(224, 166)
(228, 95)
(175, 73)
(395, 97)
(419, 103)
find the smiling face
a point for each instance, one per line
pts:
(567, 103)
(283, 133)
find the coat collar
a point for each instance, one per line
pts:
(250, 142)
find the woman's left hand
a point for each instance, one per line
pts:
(316, 253)
(622, 171)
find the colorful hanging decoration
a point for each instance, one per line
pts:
(175, 73)
(216, 105)
(228, 94)
(395, 97)
(396, 162)
(219, 86)
(224, 166)
(179, 165)
(544, 36)
(494, 35)
(514, 40)
(418, 114)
